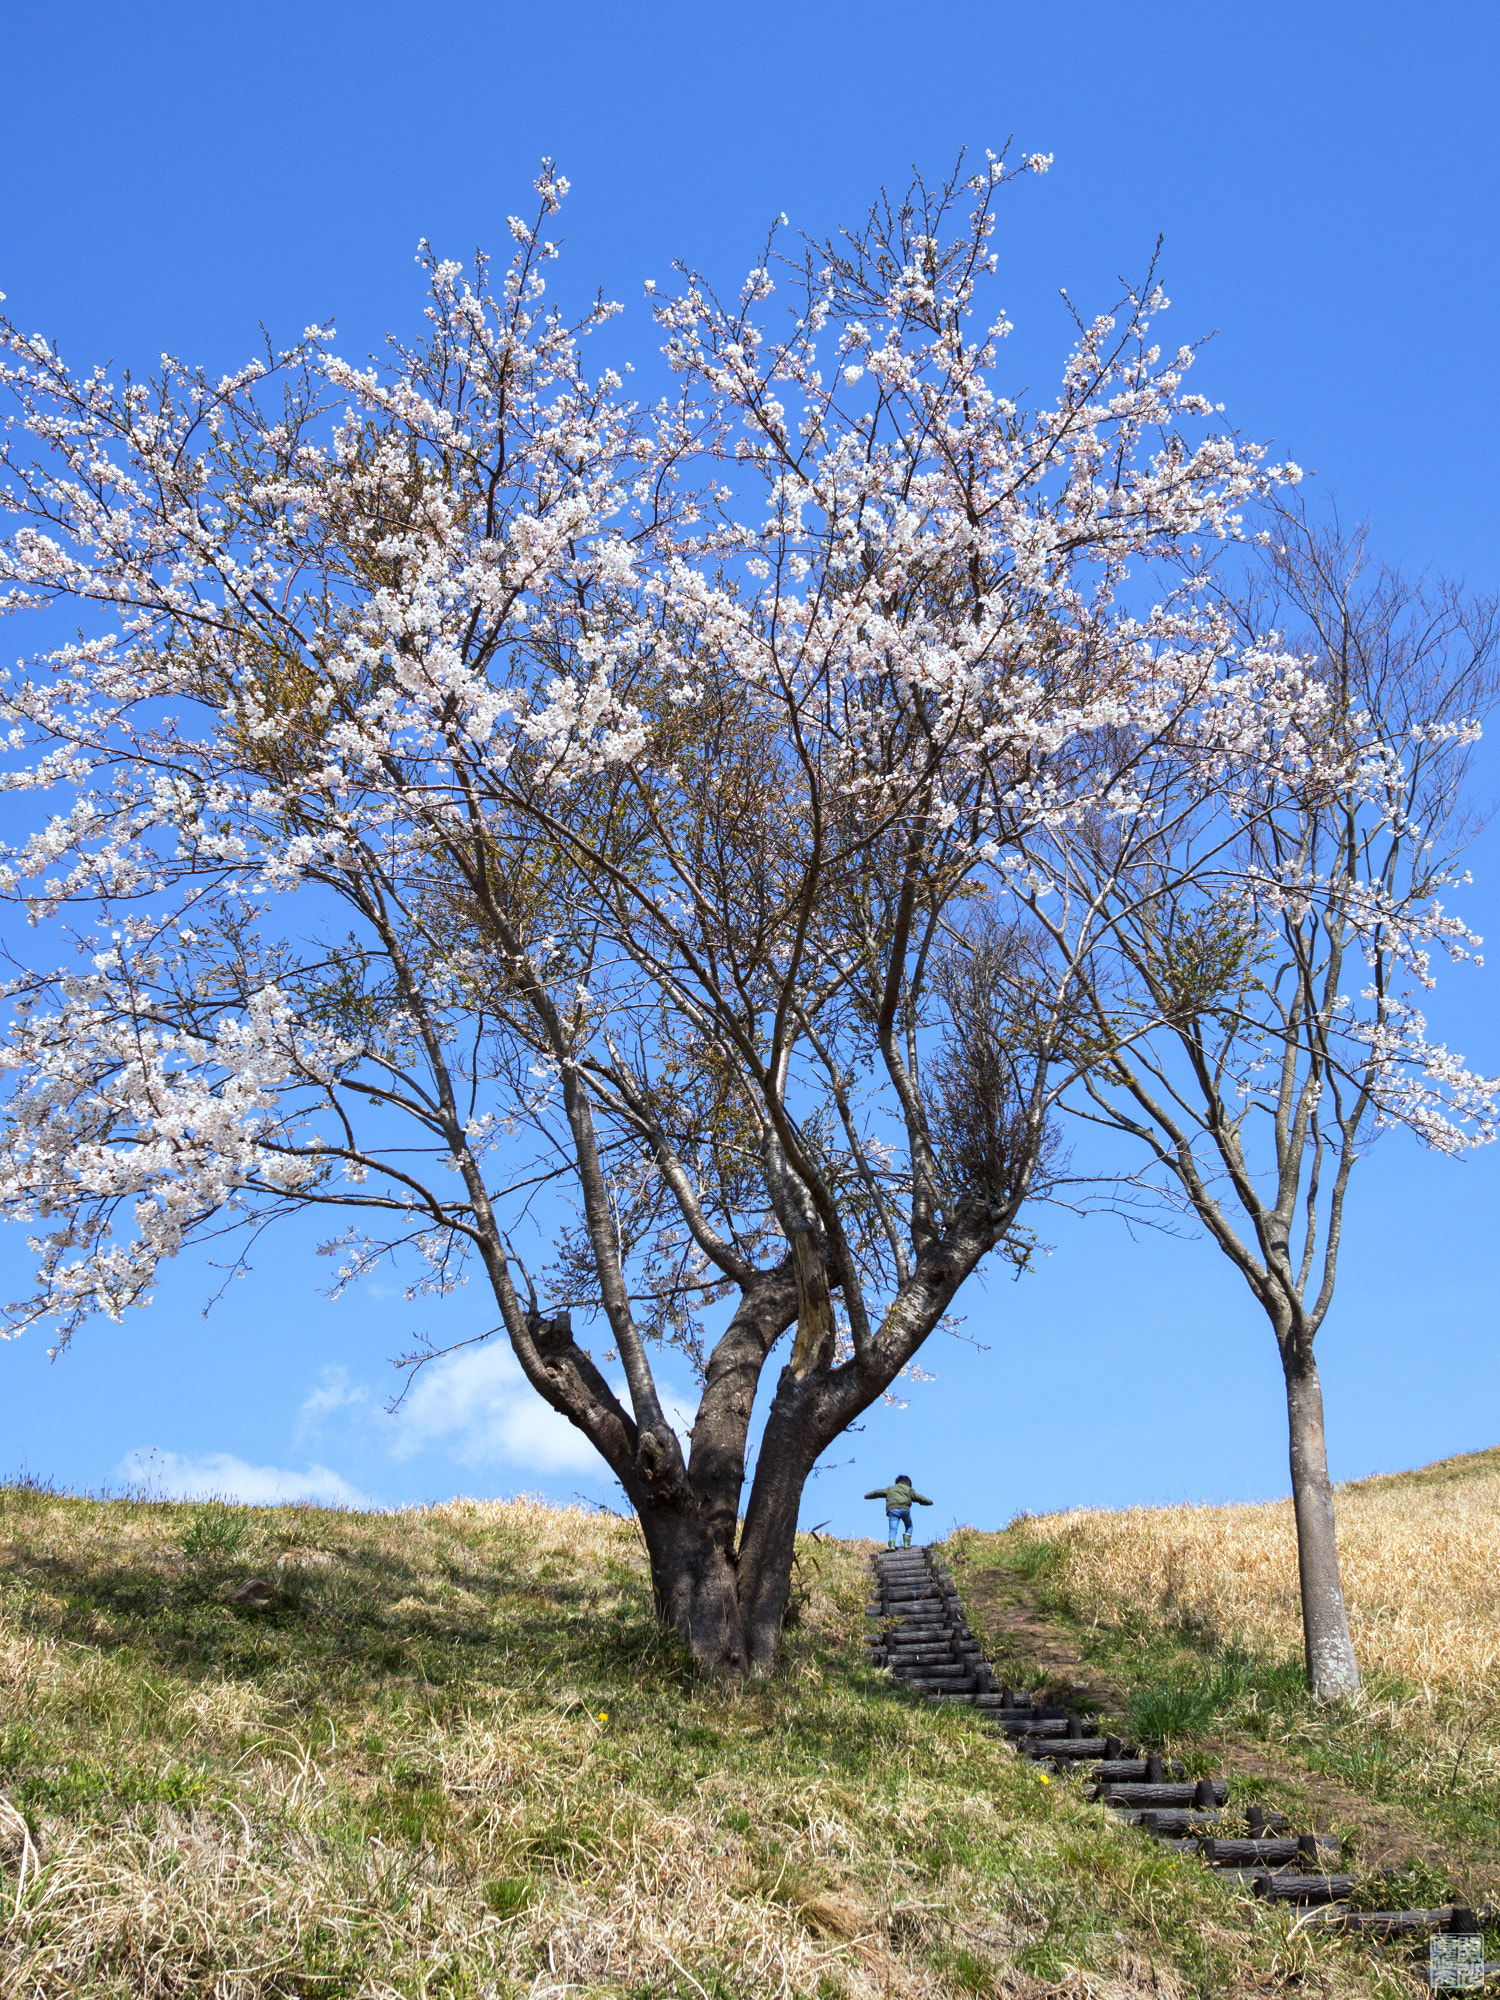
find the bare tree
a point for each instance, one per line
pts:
(1281, 947)
(477, 793)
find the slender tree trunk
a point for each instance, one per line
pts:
(1331, 1667)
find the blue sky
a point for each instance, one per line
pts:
(1325, 177)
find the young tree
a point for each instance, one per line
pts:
(472, 787)
(1281, 941)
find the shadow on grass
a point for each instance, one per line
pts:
(344, 1602)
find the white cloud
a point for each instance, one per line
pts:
(334, 1392)
(474, 1407)
(219, 1475)
(479, 1406)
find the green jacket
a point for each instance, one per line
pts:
(899, 1497)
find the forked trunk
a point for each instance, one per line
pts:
(726, 1603)
(728, 1612)
(1331, 1667)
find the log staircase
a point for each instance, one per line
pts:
(922, 1636)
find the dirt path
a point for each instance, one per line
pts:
(1021, 1641)
(1018, 1639)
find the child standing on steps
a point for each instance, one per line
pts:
(898, 1504)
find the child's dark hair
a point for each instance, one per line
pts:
(904, 1479)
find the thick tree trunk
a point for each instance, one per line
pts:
(696, 1587)
(1331, 1667)
(728, 1608)
(801, 1421)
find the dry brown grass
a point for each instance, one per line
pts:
(1420, 1557)
(455, 1757)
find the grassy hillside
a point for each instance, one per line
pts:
(451, 1755)
(1193, 1614)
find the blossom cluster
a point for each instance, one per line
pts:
(458, 749)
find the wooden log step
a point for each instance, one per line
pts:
(1161, 1822)
(1381, 1923)
(1024, 1718)
(1060, 1747)
(1162, 1795)
(1304, 1888)
(1118, 1770)
(1235, 1853)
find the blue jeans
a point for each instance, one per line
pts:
(892, 1518)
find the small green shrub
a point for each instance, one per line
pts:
(216, 1533)
(1037, 1558)
(972, 1974)
(1229, 1690)
(508, 1895)
(1420, 1887)
(1160, 1714)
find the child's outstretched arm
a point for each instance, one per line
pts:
(921, 1500)
(878, 1494)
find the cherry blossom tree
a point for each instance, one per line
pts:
(476, 800)
(1260, 1003)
